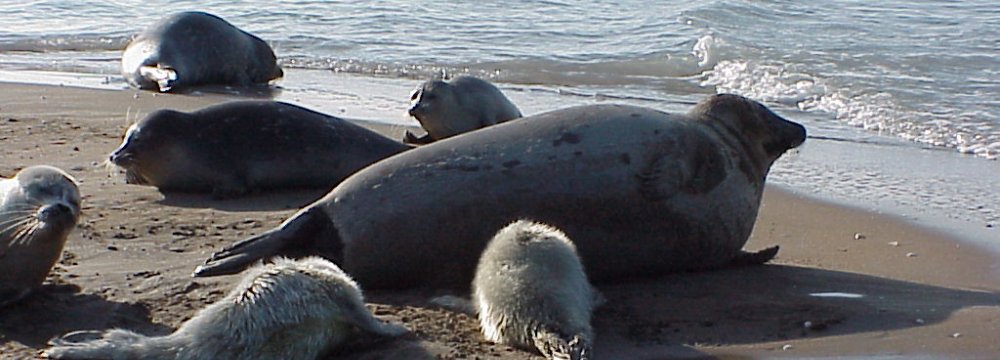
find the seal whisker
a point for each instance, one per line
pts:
(24, 235)
(9, 224)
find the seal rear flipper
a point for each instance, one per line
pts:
(745, 258)
(112, 344)
(300, 235)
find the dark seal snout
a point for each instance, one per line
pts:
(56, 213)
(787, 135)
(121, 157)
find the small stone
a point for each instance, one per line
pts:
(787, 347)
(919, 321)
(858, 236)
(911, 254)
(956, 335)
(894, 243)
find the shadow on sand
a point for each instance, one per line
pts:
(659, 317)
(263, 201)
(55, 310)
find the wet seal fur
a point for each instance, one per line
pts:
(290, 309)
(244, 146)
(641, 192)
(195, 48)
(530, 291)
(465, 103)
(39, 207)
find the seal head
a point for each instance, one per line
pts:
(39, 207)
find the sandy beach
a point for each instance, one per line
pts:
(847, 283)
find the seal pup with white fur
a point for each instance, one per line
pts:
(290, 309)
(531, 292)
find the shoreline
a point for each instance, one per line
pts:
(143, 284)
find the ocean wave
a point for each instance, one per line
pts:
(876, 111)
(64, 43)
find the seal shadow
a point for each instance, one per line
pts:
(259, 201)
(262, 92)
(764, 304)
(57, 309)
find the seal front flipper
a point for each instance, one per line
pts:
(410, 138)
(745, 258)
(554, 346)
(307, 232)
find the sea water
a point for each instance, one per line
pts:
(901, 98)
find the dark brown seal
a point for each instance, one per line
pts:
(195, 48)
(640, 192)
(243, 146)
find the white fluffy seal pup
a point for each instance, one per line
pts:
(290, 309)
(531, 292)
(465, 103)
(39, 207)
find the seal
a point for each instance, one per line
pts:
(531, 292)
(641, 193)
(290, 309)
(466, 103)
(238, 147)
(195, 48)
(39, 207)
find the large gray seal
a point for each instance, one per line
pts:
(237, 147)
(286, 310)
(530, 291)
(466, 103)
(195, 48)
(39, 207)
(640, 192)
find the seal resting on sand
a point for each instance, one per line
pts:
(465, 103)
(195, 48)
(39, 207)
(641, 192)
(530, 291)
(290, 309)
(243, 146)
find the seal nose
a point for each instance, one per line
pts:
(54, 212)
(414, 109)
(119, 157)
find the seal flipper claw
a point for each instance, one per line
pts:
(745, 258)
(554, 346)
(410, 138)
(298, 235)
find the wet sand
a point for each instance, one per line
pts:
(128, 264)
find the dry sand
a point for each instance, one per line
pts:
(129, 261)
